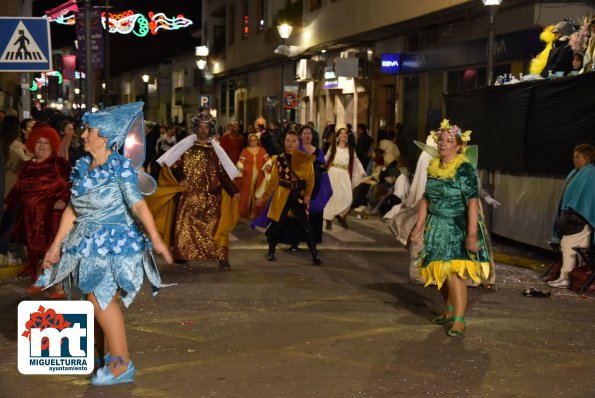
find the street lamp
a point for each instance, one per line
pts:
(201, 53)
(77, 100)
(492, 6)
(284, 32)
(146, 80)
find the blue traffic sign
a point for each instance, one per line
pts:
(204, 101)
(25, 44)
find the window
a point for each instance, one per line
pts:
(231, 23)
(232, 95)
(259, 15)
(219, 38)
(223, 96)
(245, 19)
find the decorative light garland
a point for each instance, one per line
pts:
(41, 81)
(64, 20)
(128, 21)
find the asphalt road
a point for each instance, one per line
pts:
(354, 327)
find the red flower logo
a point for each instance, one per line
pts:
(43, 319)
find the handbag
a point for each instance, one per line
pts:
(569, 223)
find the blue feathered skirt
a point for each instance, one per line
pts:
(103, 259)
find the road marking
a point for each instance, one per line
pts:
(329, 247)
(347, 235)
(168, 333)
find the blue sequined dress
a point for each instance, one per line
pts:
(106, 250)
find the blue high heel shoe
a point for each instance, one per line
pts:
(104, 377)
(106, 360)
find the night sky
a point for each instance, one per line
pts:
(129, 51)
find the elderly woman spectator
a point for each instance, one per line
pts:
(576, 213)
(448, 224)
(42, 190)
(251, 163)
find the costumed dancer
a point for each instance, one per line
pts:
(450, 227)
(291, 184)
(322, 192)
(251, 163)
(345, 172)
(308, 143)
(208, 207)
(99, 249)
(42, 191)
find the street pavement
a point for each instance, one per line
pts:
(355, 327)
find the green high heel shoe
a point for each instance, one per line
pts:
(456, 333)
(443, 320)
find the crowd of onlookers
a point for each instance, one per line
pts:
(372, 188)
(251, 149)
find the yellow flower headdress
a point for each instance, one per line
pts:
(453, 130)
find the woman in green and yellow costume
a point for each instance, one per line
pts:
(454, 246)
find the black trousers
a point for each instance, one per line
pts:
(276, 229)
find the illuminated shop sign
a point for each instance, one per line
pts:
(390, 63)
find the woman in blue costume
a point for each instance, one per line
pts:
(454, 246)
(99, 249)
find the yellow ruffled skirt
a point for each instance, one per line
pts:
(440, 271)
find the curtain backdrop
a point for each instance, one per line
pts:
(528, 127)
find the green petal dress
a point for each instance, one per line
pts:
(447, 191)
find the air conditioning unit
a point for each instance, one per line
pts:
(346, 67)
(304, 70)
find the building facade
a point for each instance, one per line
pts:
(332, 60)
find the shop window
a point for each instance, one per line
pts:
(223, 97)
(218, 38)
(231, 87)
(389, 105)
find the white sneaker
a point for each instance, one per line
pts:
(560, 283)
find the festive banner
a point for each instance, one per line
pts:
(68, 66)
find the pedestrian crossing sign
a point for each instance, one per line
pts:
(25, 45)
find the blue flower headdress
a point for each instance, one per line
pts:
(123, 125)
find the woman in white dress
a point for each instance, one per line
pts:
(345, 172)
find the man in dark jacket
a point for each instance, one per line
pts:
(363, 144)
(560, 57)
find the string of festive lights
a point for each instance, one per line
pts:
(41, 81)
(64, 20)
(128, 21)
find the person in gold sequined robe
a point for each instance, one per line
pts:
(199, 207)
